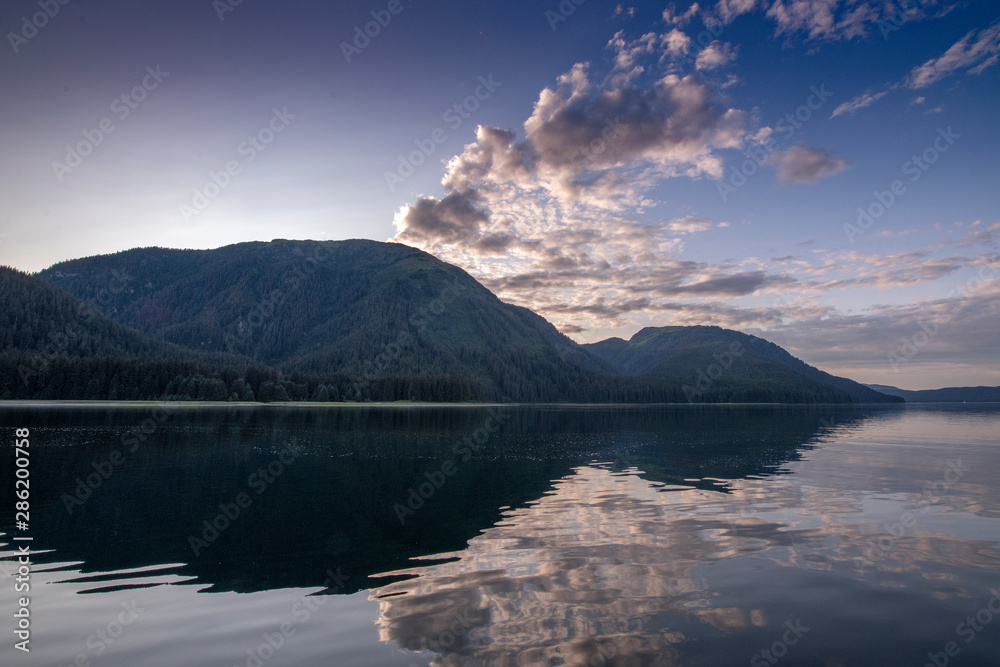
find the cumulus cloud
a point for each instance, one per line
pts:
(588, 146)
(676, 42)
(715, 55)
(802, 164)
(556, 214)
(554, 211)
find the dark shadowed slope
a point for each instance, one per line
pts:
(713, 364)
(54, 346)
(380, 312)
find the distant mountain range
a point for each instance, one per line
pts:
(946, 395)
(349, 320)
(728, 365)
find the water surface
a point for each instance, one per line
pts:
(655, 535)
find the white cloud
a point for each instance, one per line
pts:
(672, 17)
(677, 42)
(802, 164)
(976, 51)
(715, 55)
(820, 20)
(859, 102)
(690, 225)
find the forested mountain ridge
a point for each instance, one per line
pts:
(710, 360)
(362, 320)
(54, 346)
(381, 313)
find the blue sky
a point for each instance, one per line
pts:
(590, 171)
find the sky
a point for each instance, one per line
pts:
(821, 173)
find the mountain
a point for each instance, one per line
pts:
(362, 320)
(378, 320)
(54, 346)
(714, 364)
(945, 395)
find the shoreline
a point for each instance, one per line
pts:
(402, 404)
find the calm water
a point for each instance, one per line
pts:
(518, 536)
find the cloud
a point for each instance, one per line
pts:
(828, 20)
(671, 17)
(975, 52)
(715, 55)
(816, 20)
(963, 318)
(677, 42)
(554, 215)
(801, 164)
(728, 10)
(987, 236)
(454, 219)
(554, 212)
(816, 17)
(691, 224)
(588, 147)
(859, 102)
